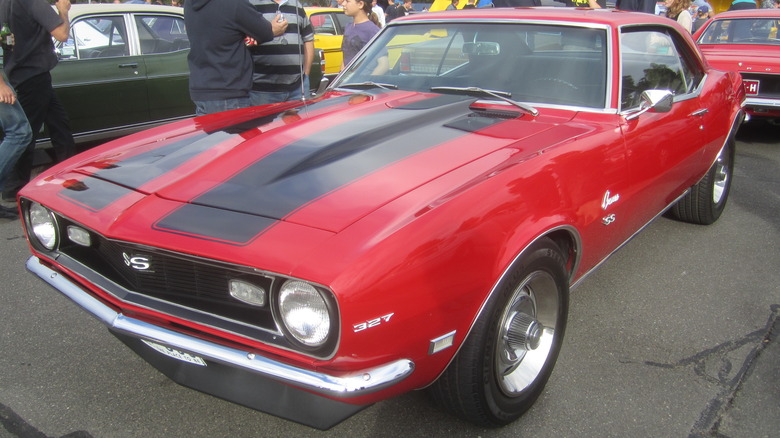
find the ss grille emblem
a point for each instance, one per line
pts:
(137, 262)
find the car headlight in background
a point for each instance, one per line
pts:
(304, 312)
(43, 225)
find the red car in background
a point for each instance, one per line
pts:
(747, 41)
(420, 225)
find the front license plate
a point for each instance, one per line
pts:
(751, 87)
(176, 354)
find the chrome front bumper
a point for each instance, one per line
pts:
(354, 384)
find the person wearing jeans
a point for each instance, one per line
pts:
(282, 65)
(28, 63)
(18, 135)
(219, 62)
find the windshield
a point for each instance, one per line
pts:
(539, 64)
(742, 31)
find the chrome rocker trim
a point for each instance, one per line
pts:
(355, 384)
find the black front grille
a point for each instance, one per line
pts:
(173, 278)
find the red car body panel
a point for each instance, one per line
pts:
(409, 222)
(758, 62)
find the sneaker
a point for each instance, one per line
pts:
(10, 196)
(8, 213)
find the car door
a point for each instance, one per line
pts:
(164, 46)
(328, 33)
(100, 78)
(664, 148)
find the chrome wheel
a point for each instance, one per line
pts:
(526, 331)
(706, 200)
(506, 360)
(721, 177)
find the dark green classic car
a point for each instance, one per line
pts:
(124, 69)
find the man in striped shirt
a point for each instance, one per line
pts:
(281, 66)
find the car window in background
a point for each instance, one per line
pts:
(329, 23)
(653, 60)
(323, 24)
(161, 34)
(742, 31)
(343, 20)
(96, 37)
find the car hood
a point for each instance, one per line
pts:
(748, 60)
(323, 165)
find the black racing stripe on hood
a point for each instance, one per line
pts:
(233, 226)
(259, 122)
(92, 193)
(137, 170)
(286, 180)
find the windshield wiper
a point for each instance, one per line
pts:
(482, 92)
(369, 84)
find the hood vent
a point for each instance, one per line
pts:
(497, 114)
(494, 110)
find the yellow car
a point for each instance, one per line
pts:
(329, 25)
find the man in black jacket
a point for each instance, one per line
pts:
(220, 64)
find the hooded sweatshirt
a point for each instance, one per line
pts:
(220, 64)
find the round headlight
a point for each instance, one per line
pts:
(43, 225)
(304, 312)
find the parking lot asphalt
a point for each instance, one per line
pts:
(674, 336)
(756, 395)
(749, 405)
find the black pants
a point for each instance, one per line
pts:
(41, 105)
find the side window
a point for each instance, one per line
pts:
(97, 37)
(323, 24)
(161, 34)
(655, 60)
(343, 20)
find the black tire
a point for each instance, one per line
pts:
(525, 318)
(705, 202)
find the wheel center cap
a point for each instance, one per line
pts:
(525, 332)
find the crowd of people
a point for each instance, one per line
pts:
(242, 53)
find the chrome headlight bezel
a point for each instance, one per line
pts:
(321, 310)
(42, 226)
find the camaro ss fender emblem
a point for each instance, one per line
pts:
(137, 262)
(609, 199)
(372, 323)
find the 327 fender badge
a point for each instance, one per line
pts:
(372, 323)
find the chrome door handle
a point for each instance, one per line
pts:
(700, 112)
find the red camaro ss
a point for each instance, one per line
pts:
(420, 225)
(747, 41)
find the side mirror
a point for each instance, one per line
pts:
(323, 85)
(660, 101)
